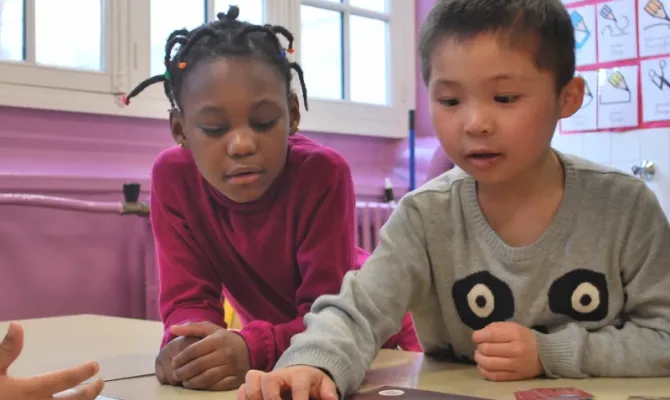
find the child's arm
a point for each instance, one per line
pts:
(325, 252)
(641, 347)
(189, 291)
(345, 331)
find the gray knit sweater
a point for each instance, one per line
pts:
(595, 287)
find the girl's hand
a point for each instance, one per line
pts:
(218, 361)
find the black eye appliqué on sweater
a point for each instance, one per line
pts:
(481, 299)
(581, 295)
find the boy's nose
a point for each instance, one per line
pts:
(477, 121)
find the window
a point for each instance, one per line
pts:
(164, 17)
(168, 15)
(349, 51)
(357, 82)
(44, 44)
(81, 55)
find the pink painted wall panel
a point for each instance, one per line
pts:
(55, 261)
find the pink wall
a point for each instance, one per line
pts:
(45, 151)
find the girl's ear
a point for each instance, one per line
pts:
(294, 113)
(177, 127)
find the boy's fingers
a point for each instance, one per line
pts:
(252, 386)
(491, 349)
(11, 346)
(497, 332)
(328, 390)
(271, 387)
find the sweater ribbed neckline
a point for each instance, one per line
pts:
(556, 232)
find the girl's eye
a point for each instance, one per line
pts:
(264, 126)
(506, 99)
(214, 130)
(449, 102)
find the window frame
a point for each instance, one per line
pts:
(347, 117)
(30, 85)
(126, 36)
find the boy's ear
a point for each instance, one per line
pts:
(294, 113)
(177, 127)
(572, 97)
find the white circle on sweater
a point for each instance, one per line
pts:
(585, 289)
(481, 291)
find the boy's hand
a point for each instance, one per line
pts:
(507, 351)
(44, 386)
(303, 383)
(218, 361)
(164, 370)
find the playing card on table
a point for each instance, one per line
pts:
(529, 395)
(553, 393)
(398, 393)
(647, 398)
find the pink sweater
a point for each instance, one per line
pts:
(270, 258)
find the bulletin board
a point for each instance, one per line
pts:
(623, 54)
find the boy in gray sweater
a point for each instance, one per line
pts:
(526, 261)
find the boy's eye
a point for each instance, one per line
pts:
(506, 99)
(449, 102)
(265, 125)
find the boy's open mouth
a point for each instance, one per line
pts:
(483, 156)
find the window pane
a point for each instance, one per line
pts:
(321, 52)
(369, 60)
(68, 33)
(372, 5)
(166, 17)
(250, 10)
(11, 30)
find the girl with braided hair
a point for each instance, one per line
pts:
(243, 206)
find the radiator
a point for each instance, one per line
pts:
(370, 217)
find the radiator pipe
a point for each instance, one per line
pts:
(129, 206)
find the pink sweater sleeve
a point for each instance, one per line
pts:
(189, 289)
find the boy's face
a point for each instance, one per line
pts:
(236, 121)
(493, 110)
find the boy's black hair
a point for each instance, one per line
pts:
(225, 37)
(541, 25)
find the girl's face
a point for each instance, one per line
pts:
(236, 119)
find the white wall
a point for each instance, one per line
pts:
(624, 150)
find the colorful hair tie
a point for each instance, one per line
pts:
(182, 65)
(124, 100)
(291, 50)
(283, 54)
(168, 77)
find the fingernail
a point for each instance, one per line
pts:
(10, 330)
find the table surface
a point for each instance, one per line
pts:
(123, 347)
(126, 347)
